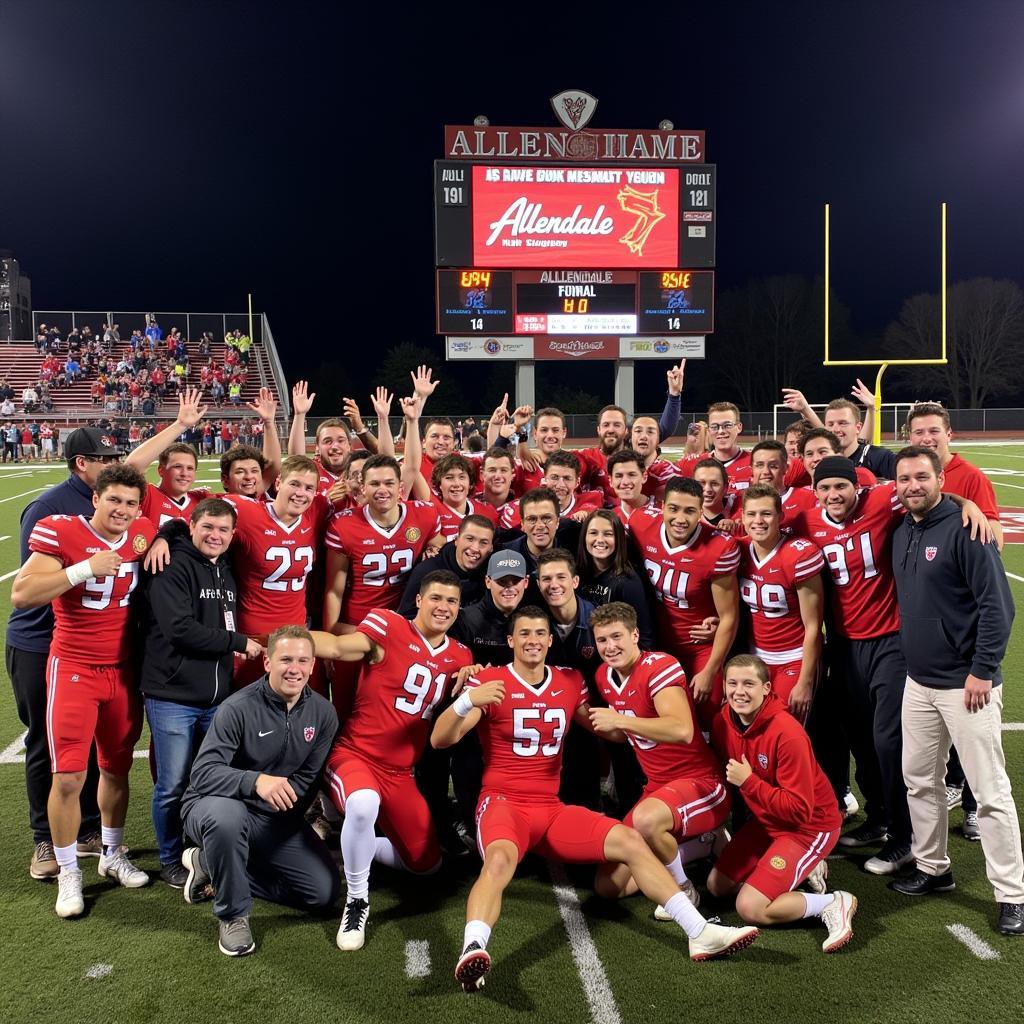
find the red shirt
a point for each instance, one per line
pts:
(271, 563)
(450, 519)
(768, 589)
(634, 697)
(522, 736)
(967, 481)
(92, 619)
(380, 559)
(585, 502)
(396, 698)
(659, 472)
(682, 576)
(797, 476)
(859, 555)
(737, 468)
(788, 792)
(159, 507)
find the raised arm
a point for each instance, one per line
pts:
(413, 483)
(794, 399)
(381, 401)
(265, 407)
(351, 411)
(302, 402)
(669, 422)
(190, 412)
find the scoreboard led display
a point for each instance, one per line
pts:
(528, 302)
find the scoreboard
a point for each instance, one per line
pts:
(548, 250)
(486, 302)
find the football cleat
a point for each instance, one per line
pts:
(717, 940)
(838, 919)
(118, 867)
(815, 881)
(690, 890)
(352, 933)
(473, 966)
(69, 894)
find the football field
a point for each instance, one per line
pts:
(560, 955)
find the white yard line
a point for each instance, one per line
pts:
(12, 751)
(99, 971)
(979, 947)
(603, 1009)
(24, 494)
(996, 482)
(417, 958)
(6, 536)
(1014, 576)
(8, 575)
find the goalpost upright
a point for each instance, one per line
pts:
(884, 364)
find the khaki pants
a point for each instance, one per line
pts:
(933, 719)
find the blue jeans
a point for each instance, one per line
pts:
(174, 734)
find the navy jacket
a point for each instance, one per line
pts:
(956, 610)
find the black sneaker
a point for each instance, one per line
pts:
(868, 834)
(919, 883)
(1011, 919)
(197, 879)
(175, 875)
(889, 859)
(471, 970)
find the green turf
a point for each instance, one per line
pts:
(903, 965)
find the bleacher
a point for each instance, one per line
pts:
(20, 366)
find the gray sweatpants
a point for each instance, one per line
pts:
(277, 857)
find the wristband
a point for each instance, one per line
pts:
(79, 573)
(463, 704)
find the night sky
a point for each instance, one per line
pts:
(178, 155)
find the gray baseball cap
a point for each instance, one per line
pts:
(507, 563)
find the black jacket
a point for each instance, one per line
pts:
(631, 588)
(484, 630)
(471, 583)
(188, 652)
(254, 733)
(956, 610)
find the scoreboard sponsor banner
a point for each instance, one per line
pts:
(489, 348)
(577, 347)
(691, 347)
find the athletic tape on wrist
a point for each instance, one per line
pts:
(79, 573)
(463, 704)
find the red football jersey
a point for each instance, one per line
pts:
(634, 697)
(92, 618)
(450, 519)
(626, 514)
(659, 472)
(768, 588)
(325, 478)
(594, 471)
(737, 468)
(859, 555)
(585, 502)
(271, 563)
(395, 699)
(967, 481)
(380, 559)
(159, 507)
(682, 576)
(522, 736)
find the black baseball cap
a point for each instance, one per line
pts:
(91, 441)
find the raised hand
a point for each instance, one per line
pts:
(410, 407)
(500, 414)
(190, 412)
(302, 400)
(674, 377)
(794, 399)
(521, 415)
(863, 394)
(381, 400)
(351, 411)
(265, 405)
(422, 384)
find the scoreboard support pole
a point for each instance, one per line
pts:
(526, 383)
(624, 384)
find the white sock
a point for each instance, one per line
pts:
(476, 931)
(685, 914)
(358, 841)
(815, 903)
(675, 869)
(112, 839)
(386, 854)
(67, 857)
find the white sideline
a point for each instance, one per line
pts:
(99, 971)
(24, 494)
(8, 575)
(1014, 576)
(417, 958)
(981, 949)
(603, 1009)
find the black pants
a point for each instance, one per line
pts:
(827, 733)
(27, 670)
(955, 777)
(874, 674)
(274, 856)
(464, 764)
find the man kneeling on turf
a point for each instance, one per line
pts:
(523, 711)
(649, 705)
(254, 777)
(794, 823)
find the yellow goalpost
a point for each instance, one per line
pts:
(884, 364)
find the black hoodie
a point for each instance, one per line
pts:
(188, 650)
(956, 610)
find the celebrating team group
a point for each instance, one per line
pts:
(609, 657)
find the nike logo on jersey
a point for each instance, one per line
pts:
(774, 570)
(555, 693)
(267, 733)
(304, 531)
(629, 693)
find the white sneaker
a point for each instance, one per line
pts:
(69, 894)
(838, 919)
(815, 881)
(717, 940)
(850, 803)
(352, 933)
(690, 891)
(954, 797)
(122, 870)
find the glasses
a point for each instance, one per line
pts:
(105, 459)
(716, 428)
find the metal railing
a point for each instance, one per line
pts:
(192, 325)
